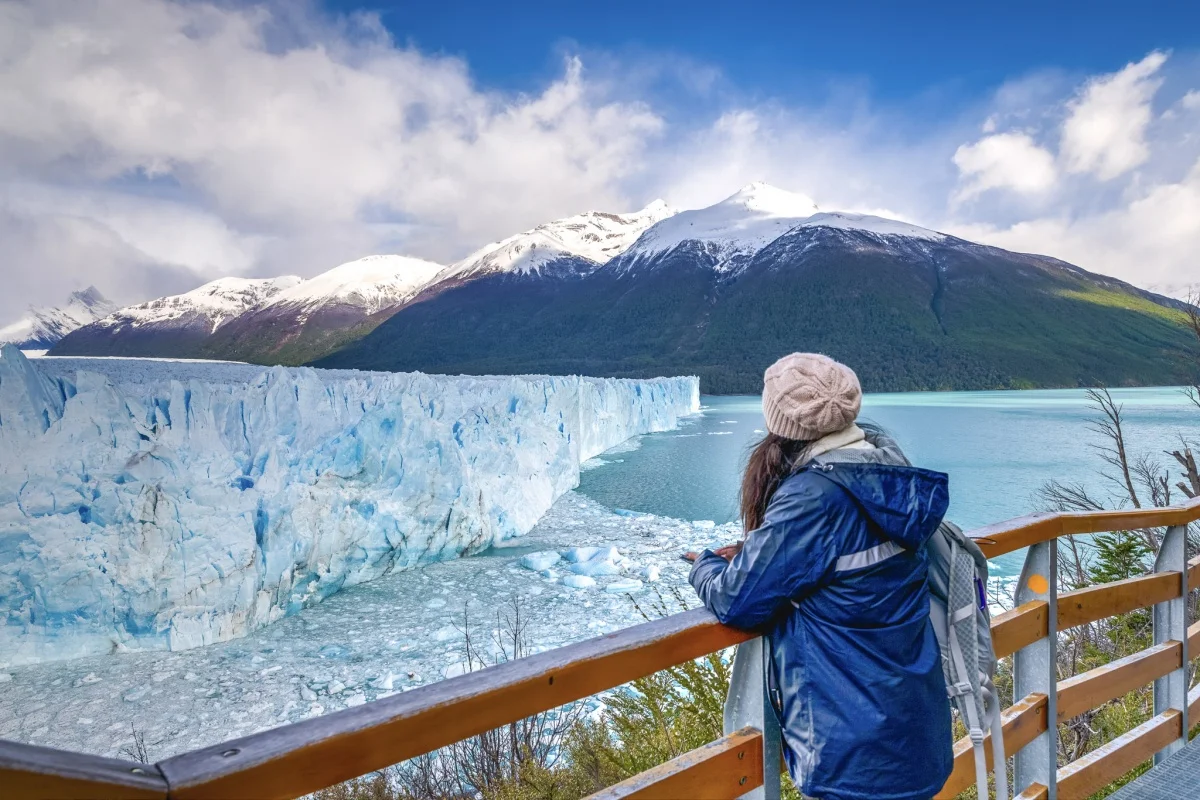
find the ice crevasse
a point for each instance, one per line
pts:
(167, 514)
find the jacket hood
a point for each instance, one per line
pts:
(906, 503)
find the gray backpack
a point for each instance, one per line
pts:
(958, 573)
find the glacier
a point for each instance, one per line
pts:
(150, 508)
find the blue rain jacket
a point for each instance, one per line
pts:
(836, 579)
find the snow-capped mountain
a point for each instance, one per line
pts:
(718, 291)
(723, 291)
(212, 304)
(314, 316)
(727, 232)
(42, 328)
(867, 223)
(239, 318)
(172, 326)
(725, 236)
(371, 284)
(594, 236)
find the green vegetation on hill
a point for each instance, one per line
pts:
(285, 341)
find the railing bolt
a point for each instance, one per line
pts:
(232, 752)
(742, 781)
(741, 755)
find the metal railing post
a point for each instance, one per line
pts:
(749, 704)
(1171, 624)
(1035, 669)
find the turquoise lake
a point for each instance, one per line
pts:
(999, 448)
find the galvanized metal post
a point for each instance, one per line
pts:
(1171, 624)
(749, 704)
(1035, 669)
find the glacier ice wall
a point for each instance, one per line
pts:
(166, 514)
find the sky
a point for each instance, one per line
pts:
(147, 146)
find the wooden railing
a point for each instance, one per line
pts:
(300, 758)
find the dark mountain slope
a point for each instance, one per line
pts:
(289, 336)
(908, 313)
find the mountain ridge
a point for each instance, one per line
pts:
(909, 308)
(43, 327)
(715, 291)
(306, 319)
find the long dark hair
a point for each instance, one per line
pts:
(770, 461)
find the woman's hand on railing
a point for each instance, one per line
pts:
(729, 551)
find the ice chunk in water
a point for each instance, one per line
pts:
(578, 554)
(578, 581)
(446, 633)
(335, 651)
(539, 561)
(623, 585)
(596, 566)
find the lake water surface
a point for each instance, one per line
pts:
(999, 448)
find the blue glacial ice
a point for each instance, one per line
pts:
(142, 512)
(540, 561)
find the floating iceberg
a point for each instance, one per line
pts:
(540, 561)
(141, 512)
(577, 555)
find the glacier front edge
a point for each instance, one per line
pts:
(169, 514)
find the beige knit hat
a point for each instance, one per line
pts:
(808, 395)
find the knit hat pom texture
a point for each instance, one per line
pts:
(808, 395)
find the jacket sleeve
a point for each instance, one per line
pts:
(792, 554)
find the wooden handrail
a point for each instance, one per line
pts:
(1120, 597)
(1024, 625)
(296, 759)
(1092, 772)
(728, 767)
(1020, 627)
(48, 774)
(1104, 765)
(1034, 792)
(1005, 537)
(1095, 687)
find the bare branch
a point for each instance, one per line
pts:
(1114, 452)
(1190, 485)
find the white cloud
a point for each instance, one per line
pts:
(1105, 131)
(1005, 161)
(48, 255)
(849, 165)
(1150, 241)
(164, 231)
(333, 132)
(147, 145)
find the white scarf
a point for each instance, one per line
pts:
(852, 437)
